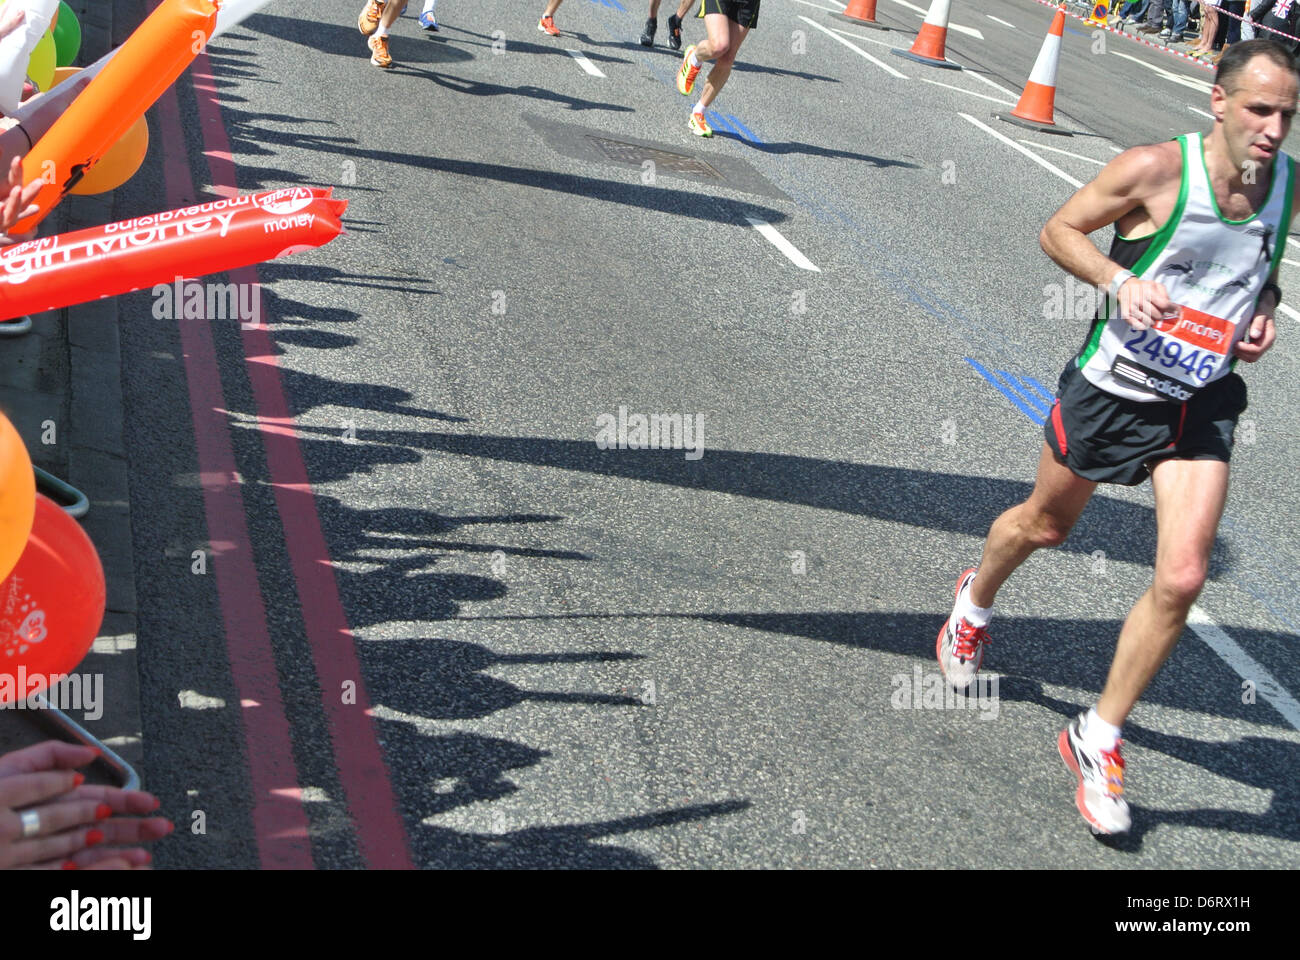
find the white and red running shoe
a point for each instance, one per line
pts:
(1099, 796)
(960, 647)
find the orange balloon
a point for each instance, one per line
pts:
(120, 163)
(17, 496)
(51, 605)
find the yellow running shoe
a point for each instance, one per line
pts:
(699, 126)
(687, 74)
(368, 20)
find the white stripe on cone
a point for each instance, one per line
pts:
(938, 15)
(1044, 71)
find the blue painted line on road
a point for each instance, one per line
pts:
(1048, 394)
(1025, 391)
(1008, 393)
(743, 130)
(717, 120)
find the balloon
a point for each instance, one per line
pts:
(51, 604)
(148, 63)
(58, 271)
(17, 496)
(67, 35)
(41, 66)
(123, 158)
(18, 48)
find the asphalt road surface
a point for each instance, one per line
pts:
(435, 624)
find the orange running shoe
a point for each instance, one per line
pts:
(368, 20)
(700, 126)
(379, 52)
(548, 27)
(687, 74)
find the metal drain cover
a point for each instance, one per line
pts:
(636, 154)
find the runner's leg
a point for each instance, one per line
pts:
(722, 67)
(1044, 520)
(1190, 495)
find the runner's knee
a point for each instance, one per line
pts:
(1178, 585)
(1046, 529)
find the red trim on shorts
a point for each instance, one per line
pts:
(1059, 427)
(1182, 419)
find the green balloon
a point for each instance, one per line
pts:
(67, 36)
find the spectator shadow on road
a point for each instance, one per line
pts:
(515, 45)
(344, 40)
(957, 503)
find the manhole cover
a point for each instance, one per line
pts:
(637, 154)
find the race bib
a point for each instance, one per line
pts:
(1177, 356)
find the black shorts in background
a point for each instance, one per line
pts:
(1110, 439)
(743, 12)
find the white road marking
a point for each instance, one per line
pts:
(781, 243)
(806, 3)
(982, 96)
(1294, 315)
(1077, 156)
(1191, 82)
(858, 36)
(1025, 150)
(1293, 241)
(583, 62)
(1201, 112)
(970, 31)
(1246, 666)
(996, 86)
(856, 49)
(1003, 22)
(1293, 263)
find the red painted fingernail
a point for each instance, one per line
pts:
(78, 779)
(69, 865)
(93, 837)
(103, 812)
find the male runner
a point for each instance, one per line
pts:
(727, 23)
(1193, 266)
(674, 24)
(375, 20)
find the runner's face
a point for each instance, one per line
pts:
(1257, 114)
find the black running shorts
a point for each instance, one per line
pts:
(743, 12)
(1110, 439)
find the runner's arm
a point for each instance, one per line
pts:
(1124, 185)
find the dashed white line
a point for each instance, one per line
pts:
(982, 96)
(1291, 263)
(1246, 666)
(970, 31)
(1201, 112)
(806, 3)
(1003, 22)
(781, 243)
(858, 36)
(1294, 315)
(1046, 165)
(1077, 156)
(995, 86)
(586, 64)
(856, 49)
(1191, 82)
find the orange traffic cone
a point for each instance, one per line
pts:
(1037, 104)
(861, 13)
(929, 44)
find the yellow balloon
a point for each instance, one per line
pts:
(40, 68)
(122, 160)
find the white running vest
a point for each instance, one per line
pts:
(1214, 270)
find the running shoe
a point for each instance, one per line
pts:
(379, 52)
(648, 34)
(960, 646)
(547, 26)
(1099, 796)
(687, 74)
(675, 31)
(699, 126)
(368, 19)
(428, 22)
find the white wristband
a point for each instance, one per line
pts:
(1119, 280)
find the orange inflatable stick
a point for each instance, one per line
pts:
(142, 68)
(57, 271)
(17, 496)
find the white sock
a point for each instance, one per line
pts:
(382, 31)
(1097, 733)
(429, 5)
(695, 61)
(975, 616)
(699, 107)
